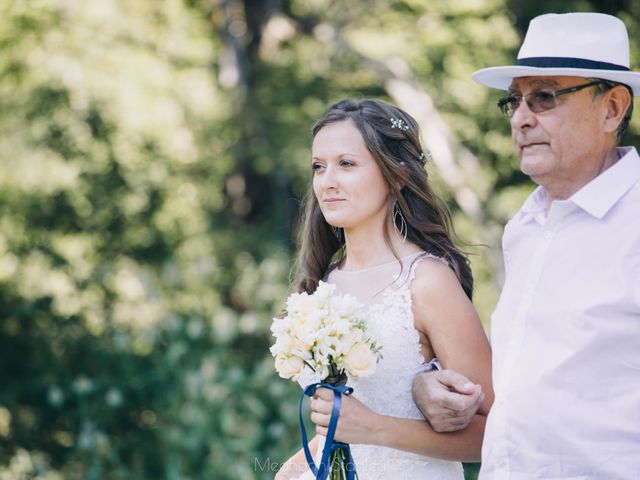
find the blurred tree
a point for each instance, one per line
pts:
(154, 156)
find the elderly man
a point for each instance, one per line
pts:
(566, 330)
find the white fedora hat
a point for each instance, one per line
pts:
(592, 45)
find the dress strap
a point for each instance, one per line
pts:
(416, 262)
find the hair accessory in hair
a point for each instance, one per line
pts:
(425, 155)
(399, 124)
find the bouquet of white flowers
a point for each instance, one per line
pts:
(326, 333)
(324, 336)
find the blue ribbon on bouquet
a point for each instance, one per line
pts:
(322, 472)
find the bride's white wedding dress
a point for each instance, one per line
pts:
(385, 290)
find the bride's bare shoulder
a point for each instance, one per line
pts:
(434, 277)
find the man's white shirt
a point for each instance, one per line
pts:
(566, 336)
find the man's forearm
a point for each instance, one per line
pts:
(448, 400)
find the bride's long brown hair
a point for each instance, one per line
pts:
(401, 160)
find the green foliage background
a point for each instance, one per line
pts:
(153, 158)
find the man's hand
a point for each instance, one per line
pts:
(357, 423)
(447, 399)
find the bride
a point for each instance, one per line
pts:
(376, 230)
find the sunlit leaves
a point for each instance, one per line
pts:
(148, 209)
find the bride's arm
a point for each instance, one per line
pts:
(446, 316)
(359, 424)
(297, 464)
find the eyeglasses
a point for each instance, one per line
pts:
(539, 100)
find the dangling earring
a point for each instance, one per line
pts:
(399, 218)
(337, 231)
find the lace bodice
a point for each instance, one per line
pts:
(386, 291)
(391, 322)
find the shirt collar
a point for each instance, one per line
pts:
(534, 206)
(596, 197)
(599, 195)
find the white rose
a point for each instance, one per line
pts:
(360, 361)
(289, 367)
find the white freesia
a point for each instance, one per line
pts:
(282, 345)
(341, 326)
(324, 292)
(327, 347)
(301, 349)
(345, 306)
(307, 329)
(280, 326)
(350, 339)
(303, 306)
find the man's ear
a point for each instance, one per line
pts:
(618, 101)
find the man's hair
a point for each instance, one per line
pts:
(606, 85)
